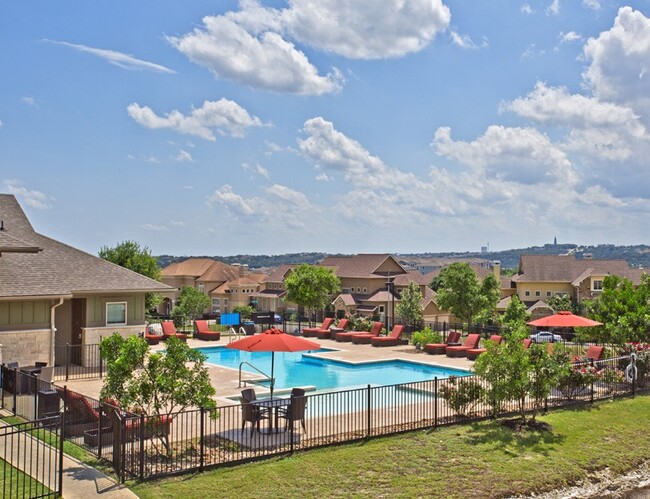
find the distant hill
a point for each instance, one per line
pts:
(636, 256)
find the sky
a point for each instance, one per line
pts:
(269, 127)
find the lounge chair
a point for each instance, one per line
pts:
(363, 337)
(333, 330)
(388, 341)
(296, 409)
(439, 348)
(169, 330)
(153, 334)
(527, 342)
(80, 415)
(472, 353)
(312, 332)
(202, 331)
(594, 352)
(471, 341)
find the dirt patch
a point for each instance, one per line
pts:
(605, 484)
(530, 425)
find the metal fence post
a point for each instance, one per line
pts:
(61, 426)
(67, 361)
(101, 363)
(142, 435)
(435, 401)
(202, 439)
(369, 409)
(591, 398)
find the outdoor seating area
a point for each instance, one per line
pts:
(453, 338)
(473, 353)
(312, 332)
(203, 332)
(333, 330)
(471, 342)
(169, 331)
(390, 340)
(362, 337)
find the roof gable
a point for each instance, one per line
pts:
(364, 265)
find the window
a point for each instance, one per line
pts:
(216, 305)
(527, 293)
(365, 290)
(598, 285)
(538, 293)
(548, 293)
(116, 314)
(225, 305)
(201, 288)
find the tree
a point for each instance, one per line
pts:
(623, 309)
(461, 293)
(409, 308)
(155, 384)
(129, 255)
(244, 311)
(561, 302)
(191, 302)
(311, 286)
(515, 315)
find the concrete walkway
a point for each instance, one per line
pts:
(79, 480)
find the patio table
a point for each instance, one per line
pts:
(273, 406)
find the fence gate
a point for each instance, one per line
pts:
(31, 459)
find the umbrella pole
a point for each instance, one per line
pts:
(272, 366)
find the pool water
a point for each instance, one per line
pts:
(305, 369)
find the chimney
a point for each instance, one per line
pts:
(496, 269)
(243, 270)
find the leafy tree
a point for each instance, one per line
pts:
(245, 311)
(155, 384)
(623, 309)
(129, 255)
(460, 292)
(515, 315)
(409, 308)
(191, 302)
(311, 286)
(561, 302)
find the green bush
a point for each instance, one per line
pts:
(426, 335)
(461, 394)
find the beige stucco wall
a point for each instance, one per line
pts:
(94, 335)
(25, 346)
(543, 288)
(371, 285)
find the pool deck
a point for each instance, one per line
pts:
(226, 380)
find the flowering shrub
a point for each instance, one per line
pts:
(461, 394)
(642, 351)
(574, 381)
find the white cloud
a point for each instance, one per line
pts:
(223, 116)
(322, 177)
(591, 4)
(290, 196)
(464, 41)
(29, 101)
(155, 228)
(526, 9)
(373, 29)
(554, 8)
(620, 62)
(226, 197)
(569, 37)
(177, 223)
(264, 60)
(257, 168)
(1, 124)
(30, 197)
(184, 156)
(120, 59)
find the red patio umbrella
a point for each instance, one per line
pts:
(273, 340)
(564, 318)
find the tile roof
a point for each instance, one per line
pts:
(361, 265)
(279, 274)
(194, 267)
(59, 269)
(565, 268)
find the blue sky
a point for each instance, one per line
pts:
(273, 127)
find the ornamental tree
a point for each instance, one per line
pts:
(409, 308)
(155, 384)
(192, 302)
(311, 286)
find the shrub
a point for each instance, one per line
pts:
(426, 335)
(573, 382)
(461, 394)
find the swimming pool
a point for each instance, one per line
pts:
(305, 369)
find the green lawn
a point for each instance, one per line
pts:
(475, 460)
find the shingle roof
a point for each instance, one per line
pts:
(361, 265)
(279, 274)
(59, 269)
(565, 268)
(194, 267)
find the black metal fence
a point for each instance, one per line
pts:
(31, 459)
(78, 362)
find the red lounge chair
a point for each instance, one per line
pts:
(388, 341)
(461, 351)
(472, 353)
(527, 342)
(202, 331)
(152, 339)
(362, 337)
(594, 352)
(439, 348)
(169, 330)
(332, 331)
(312, 332)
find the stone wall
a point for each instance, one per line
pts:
(25, 347)
(93, 336)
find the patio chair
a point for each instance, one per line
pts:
(44, 378)
(295, 410)
(80, 415)
(473, 353)
(439, 348)
(388, 341)
(202, 331)
(363, 337)
(169, 330)
(333, 330)
(251, 413)
(471, 341)
(153, 334)
(527, 342)
(594, 352)
(312, 332)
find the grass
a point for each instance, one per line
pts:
(476, 460)
(15, 483)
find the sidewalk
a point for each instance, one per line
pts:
(79, 479)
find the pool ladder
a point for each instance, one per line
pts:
(234, 335)
(248, 380)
